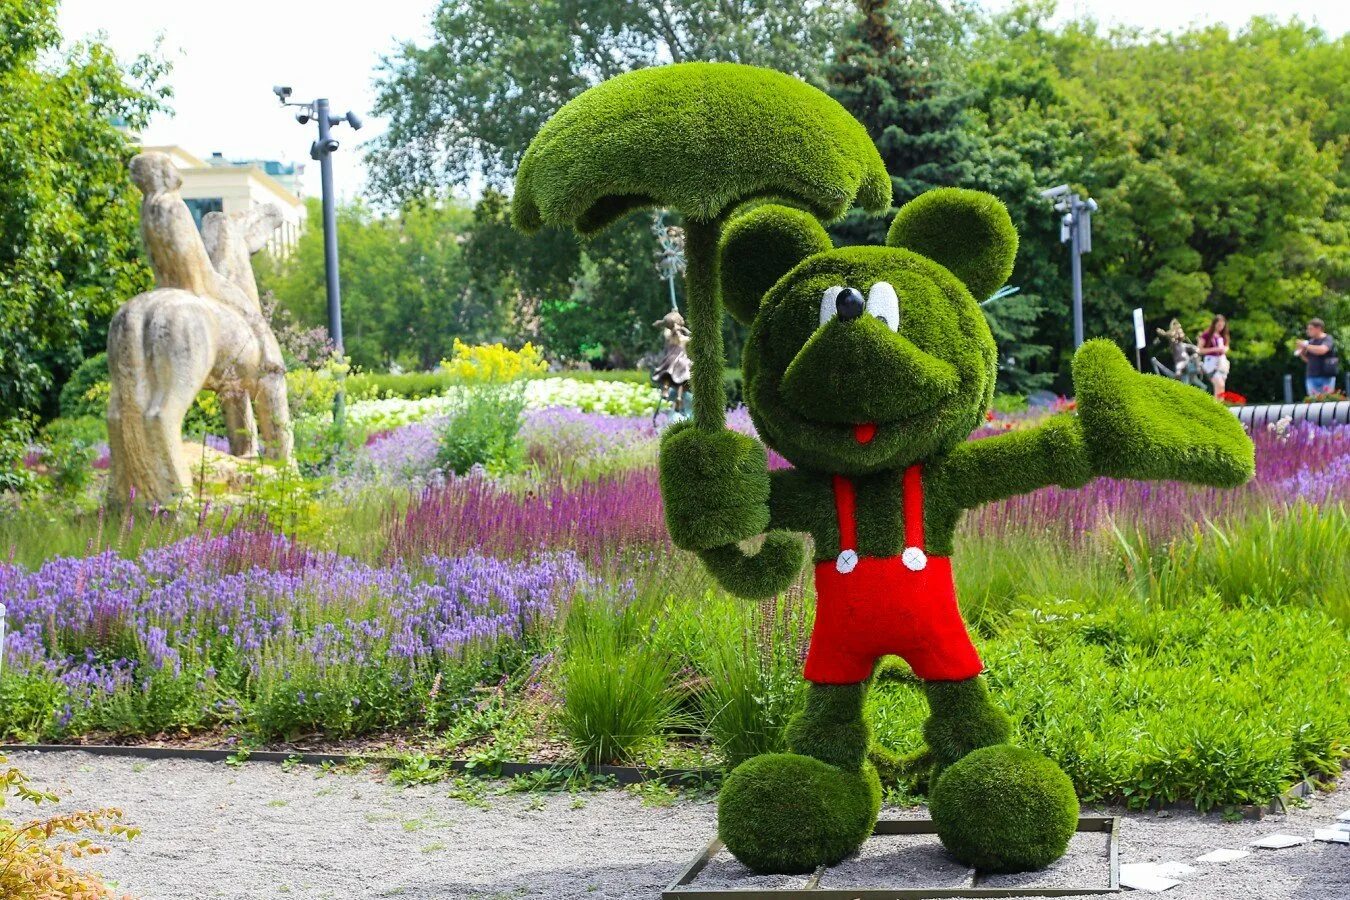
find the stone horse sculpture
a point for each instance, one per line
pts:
(201, 327)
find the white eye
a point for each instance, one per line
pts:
(827, 305)
(884, 304)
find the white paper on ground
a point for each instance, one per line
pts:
(1174, 869)
(1332, 834)
(1344, 817)
(1145, 877)
(1222, 856)
(1342, 826)
(1279, 841)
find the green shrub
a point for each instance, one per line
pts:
(85, 393)
(16, 437)
(1009, 403)
(616, 683)
(87, 430)
(483, 428)
(409, 385)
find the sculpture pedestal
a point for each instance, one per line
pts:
(903, 860)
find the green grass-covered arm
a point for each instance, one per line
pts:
(996, 468)
(1151, 428)
(1128, 425)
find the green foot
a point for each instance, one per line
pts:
(786, 813)
(1004, 809)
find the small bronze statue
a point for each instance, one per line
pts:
(1186, 358)
(672, 370)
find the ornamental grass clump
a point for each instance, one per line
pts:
(35, 854)
(750, 657)
(482, 429)
(616, 682)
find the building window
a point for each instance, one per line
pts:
(200, 206)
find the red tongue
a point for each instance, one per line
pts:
(864, 432)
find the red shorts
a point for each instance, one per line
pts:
(882, 607)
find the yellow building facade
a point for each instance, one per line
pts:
(220, 185)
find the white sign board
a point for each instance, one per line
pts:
(1140, 342)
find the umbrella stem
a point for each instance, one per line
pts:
(704, 304)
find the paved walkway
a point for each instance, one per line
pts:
(211, 831)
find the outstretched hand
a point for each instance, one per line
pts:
(1148, 427)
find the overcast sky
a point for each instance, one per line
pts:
(226, 57)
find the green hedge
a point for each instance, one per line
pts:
(76, 400)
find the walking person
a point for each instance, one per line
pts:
(1318, 352)
(1213, 348)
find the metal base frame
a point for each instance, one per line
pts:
(683, 888)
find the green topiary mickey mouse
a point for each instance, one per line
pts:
(867, 368)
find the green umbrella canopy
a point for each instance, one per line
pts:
(703, 138)
(700, 138)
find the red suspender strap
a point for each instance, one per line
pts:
(845, 511)
(914, 506)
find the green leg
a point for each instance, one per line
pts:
(961, 718)
(792, 812)
(831, 727)
(996, 807)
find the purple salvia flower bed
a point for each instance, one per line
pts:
(1303, 464)
(624, 511)
(593, 519)
(259, 597)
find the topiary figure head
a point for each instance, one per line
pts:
(704, 139)
(868, 358)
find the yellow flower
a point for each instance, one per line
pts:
(493, 363)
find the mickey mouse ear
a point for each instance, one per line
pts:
(968, 232)
(760, 247)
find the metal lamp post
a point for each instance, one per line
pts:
(322, 151)
(1075, 229)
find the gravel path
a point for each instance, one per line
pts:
(210, 831)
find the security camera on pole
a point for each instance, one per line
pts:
(1075, 228)
(322, 151)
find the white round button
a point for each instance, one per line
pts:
(914, 559)
(846, 561)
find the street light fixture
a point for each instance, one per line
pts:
(1075, 228)
(322, 151)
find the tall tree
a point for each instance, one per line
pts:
(1226, 192)
(69, 245)
(405, 287)
(466, 105)
(894, 72)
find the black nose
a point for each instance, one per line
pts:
(849, 304)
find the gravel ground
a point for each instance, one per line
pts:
(210, 831)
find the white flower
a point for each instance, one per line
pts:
(611, 398)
